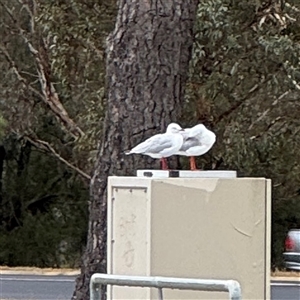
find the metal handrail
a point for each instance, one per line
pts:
(230, 286)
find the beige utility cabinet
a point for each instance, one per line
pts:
(205, 228)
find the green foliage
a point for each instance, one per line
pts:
(244, 84)
(77, 31)
(43, 203)
(73, 35)
(44, 241)
(43, 210)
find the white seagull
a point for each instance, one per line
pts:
(197, 141)
(161, 145)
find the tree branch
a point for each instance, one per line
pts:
(275, 121)
(264, 114)
(50, 96)
(45, 146)
(17, 72)
(238, 103)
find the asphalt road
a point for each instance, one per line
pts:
(36, 287)
(41, 287)
(285, 290)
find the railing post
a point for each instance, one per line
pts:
(160, 294)
(95, 289)
(234, 288)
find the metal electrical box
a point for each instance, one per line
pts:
(206, 228)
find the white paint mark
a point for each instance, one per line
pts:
(36, 279)
(285, 284)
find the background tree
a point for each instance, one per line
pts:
(46, 89)
(147, 64)
(243, 83)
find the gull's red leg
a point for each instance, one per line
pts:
(164, 163)
(193, 163)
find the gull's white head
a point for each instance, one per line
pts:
(199, 129)
(174, 128)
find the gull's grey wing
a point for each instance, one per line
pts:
(189, 143)
(160, 144)
(155, 144)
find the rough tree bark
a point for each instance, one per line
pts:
(147, 65)
(2, 157)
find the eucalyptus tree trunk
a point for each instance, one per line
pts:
(2, 158)
(147, 64)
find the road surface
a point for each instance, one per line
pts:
(42, 287)
(36, 287)
(285, 290)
